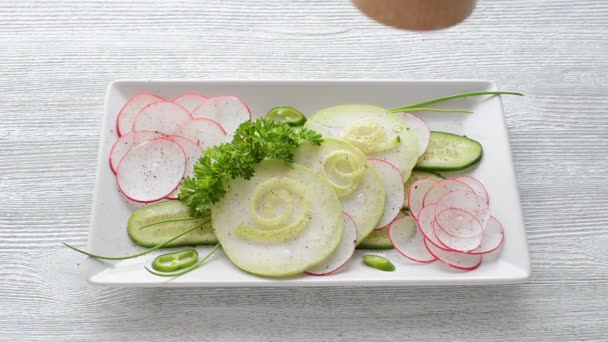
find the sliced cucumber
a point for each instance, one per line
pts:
(282, 221)
(416, 175)
(356, 182)
(157, 223)
(450, 152)
(378, 239)
(374, 130)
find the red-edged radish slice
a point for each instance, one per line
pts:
(126, 116)
(442, 188)
(457, 260)
(128, 141)
(394, 188)
(416, 196)
(192, 151)
(342, 254)
(459, 244)
(151, 170)
(426, 226)
(420, 128)
(190, 101)
(492, 238)
(229, 111)
(165, 117)
(408, 240)
(205, 132)
(476, 185)
(458, 223)
(467, 201)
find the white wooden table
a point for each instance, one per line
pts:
(57, 56)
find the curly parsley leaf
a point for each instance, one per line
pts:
(253, 142)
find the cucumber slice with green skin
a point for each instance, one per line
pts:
(356, 181)
(378, 240)
(416, 175)
(157, 223)
(374, 130)
(450, 152)
(290, 200)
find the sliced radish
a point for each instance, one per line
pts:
(420, 128)
(476, 185)
(458, 223)
(126, 116)
(467, 201)
(455, 243)
(192, 151)
(343, 253)
(165, 117)
(492, 238)
(394, 187)
(229, 111)
(205, 132)
(128, 141)
(408, 240)
(443, 188)
(426, 226)
(457, 260)
(151, 170)
(190, 101)
(416, 196)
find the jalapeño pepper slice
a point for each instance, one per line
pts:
(175, 261)
(289, 115)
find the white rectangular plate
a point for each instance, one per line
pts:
(108, 236)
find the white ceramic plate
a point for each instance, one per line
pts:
(108, 236)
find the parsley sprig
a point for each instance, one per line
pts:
(252, 143)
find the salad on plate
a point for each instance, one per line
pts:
(290, 194)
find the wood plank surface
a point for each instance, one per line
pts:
(57, 57)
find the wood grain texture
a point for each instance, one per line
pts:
(57, 56)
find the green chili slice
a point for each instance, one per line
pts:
(289, 115)
(187, 269)
(379, 262)
(175, 261)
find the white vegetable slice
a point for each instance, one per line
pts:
(408, 240)
(457, 260)
(476, 185)
(126, 116)
(442, 188)
(205, 132)
(394, 188)
(416, 196)
(426, 226)
(420, 128)
(281, 222)
(229, 111)
(344, 166)
(340, 257)
(192, 151)
(467, 201)
(492, 239)
(190, 101)
(151, 170)
(127, 142)
(377, 132)
(165, 117)
(458, 223)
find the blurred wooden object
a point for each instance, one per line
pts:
(417, 15)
